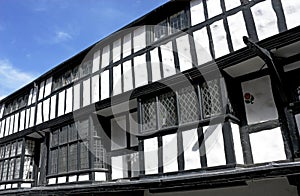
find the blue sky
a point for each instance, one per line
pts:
(37, 35)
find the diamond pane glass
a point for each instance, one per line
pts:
(167, 110)
(62, 165)
(211, 98)
(188, 104)
(149, 115)
(72, 157)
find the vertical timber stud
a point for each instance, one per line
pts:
(281, 22)
(249, 21)
(180, 150)
(228, 143)
(141, 142)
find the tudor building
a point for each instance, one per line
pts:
(177, 102)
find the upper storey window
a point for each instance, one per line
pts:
(171, 25)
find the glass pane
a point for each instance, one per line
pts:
(7, 150)
(19, 150)
(211, 98)
(28, 168)
(100, 154)
(178, 21)
(72, 157)
(72, 132)
(84, 155)
(29, 148)
(188, 105)
(149, 115)
(83, 129)
(13, 149)
(5, 167)
(160, 30)
(167, 110)
(62, 161)
(53, 162)
(2, 152)
(118, 133)
(63, 135)
(11, 169)
(17, 168)
(1, 164)
(133, 129)
(54, 138)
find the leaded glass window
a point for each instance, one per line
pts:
(211, 98)
(99, 154)
(84, 153)
(72, 157)
(178, 21)
(188, 104)
(161, 30)
(62, 161)
(149, 115)
(53, 162)
(167, 110)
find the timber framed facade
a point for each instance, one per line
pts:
(195, 97)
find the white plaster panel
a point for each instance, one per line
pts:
(8, 186)
(170, 153)
(27, 118)
(25, 185)
(22, 121)
(151, 156)
(168, 60)
(119, 165)
(32, 116)
(237, 28)
(2, 186)
(117, 50)
(213, 8)
(184, 53)
(34, 94)
(52, 181)
(292, 66)
(139, 38)
(7, 120)
(46, 109)
(263, 107)
(1, 111)
(267, 146)
(127, 45)
(83, 177)
(237, 143)
(72, 178)
(15, 185)
(291, 11)
(219, 38)
(95, 88)
(117, 80)
(155, 65)
(214, 145)
(62, 179)
(76, 104)
(191, 152)
(1, 126)
(61, 103)
(30, 97)
(96, 61)
(100, 176)
(202, 46)
(69, 100)
(105, 56)
(16, 125)
(104, 84)
(140, 71)
(41, 90)
(39, 119)
(53, 107)
(127, 76)
(86, 92)
(48, 87)
(265, 19)
(197, 12)
(232, 4)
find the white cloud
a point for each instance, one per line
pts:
(62, 36)
(11, 78)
